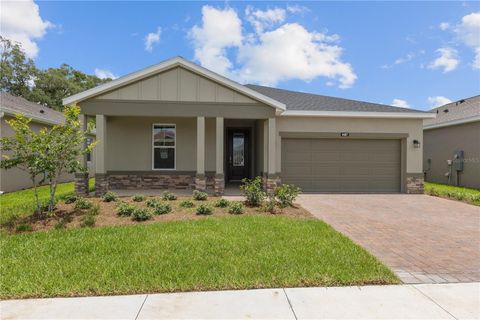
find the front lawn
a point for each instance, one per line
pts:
(21, 203)
(231, 252)
(468, 195)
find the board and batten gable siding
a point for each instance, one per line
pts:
(177, 84)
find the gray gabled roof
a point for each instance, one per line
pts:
(300, 101)
(12, 105)
(464, 110)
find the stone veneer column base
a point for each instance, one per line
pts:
(414, 184)
(200, 182)
(81, 184)
(270, 182)
(101, 184)
(219, 185)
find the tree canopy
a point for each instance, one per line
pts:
(20, 77)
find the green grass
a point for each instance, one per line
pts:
(457, 193)
(21, 203)
(236, 252)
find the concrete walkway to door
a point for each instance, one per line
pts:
(423, 239)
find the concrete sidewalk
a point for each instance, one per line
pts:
(425, 301)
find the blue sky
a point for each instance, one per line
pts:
(416, 54)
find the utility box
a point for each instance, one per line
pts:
(458, 159)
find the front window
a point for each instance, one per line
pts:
(164, 146)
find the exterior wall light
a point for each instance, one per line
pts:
(416, 144)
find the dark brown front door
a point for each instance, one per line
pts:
(238, 154)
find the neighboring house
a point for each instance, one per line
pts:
(16, 179)
(455, 131)
(179, 125)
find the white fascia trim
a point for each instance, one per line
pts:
(359, 114)
(35, 119)
(168, 64)
(452, 123)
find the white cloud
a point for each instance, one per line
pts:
(400, 103)
(151, 39)
(468, 31)
(444, 26)
(447, 60)
(220, 30)
(281, 53)
(20, 21)
(104, 74)
(261, 20)
(438, 101)
(297, 9)
(476, 62)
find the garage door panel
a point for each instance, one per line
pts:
(335, 165)
(325, 156)
(298, 156)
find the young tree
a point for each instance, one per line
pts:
(49, 153)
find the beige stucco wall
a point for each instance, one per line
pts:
(129, 146)
(16, 179)
(441, 143)
(412, 127)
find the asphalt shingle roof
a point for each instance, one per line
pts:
(458, 110)
(300, 101)
(12, 104)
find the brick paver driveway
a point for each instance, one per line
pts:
(422, 238)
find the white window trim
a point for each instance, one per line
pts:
(174, 147)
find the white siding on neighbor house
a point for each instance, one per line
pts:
(177, 84)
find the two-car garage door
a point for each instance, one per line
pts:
(337, 165)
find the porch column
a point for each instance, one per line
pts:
(101, 182)
(81, 178)
(219, 174)
(200, 180)
(272, 179)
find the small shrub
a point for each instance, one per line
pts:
(187, 204)
(71, 198)
(204, 209)
(141, 214)
(252, 189)
(200, 195)
(286, 194)
(162, 208)
(236, 208)
(169, 196)
(222, 203)
(23, 228)
(94, 210)
(270, 205)
(125, 209)
(138, 198)
(109, 197)
(83, 204)
(88, 221)
(62, 222)
(152, 203)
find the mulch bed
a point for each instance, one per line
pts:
(108, 216)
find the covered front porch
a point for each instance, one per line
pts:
(150, 154)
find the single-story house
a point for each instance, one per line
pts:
(451, 150)
(42, 116)
(179, 125)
